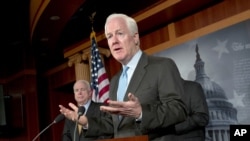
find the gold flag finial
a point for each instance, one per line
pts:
(92, 34)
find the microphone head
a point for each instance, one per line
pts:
(59, 118)
(81, 110)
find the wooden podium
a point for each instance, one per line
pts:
(135, 138)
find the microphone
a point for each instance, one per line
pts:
(81, 111)
(59, 118)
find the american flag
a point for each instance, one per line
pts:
(99, 78)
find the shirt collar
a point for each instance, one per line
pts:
(134, 61)
(86, 106)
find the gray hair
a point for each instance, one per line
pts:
(85, 82)
(130, 22)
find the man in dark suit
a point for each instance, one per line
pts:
(193, 128)
(152, 100)
(82, 95)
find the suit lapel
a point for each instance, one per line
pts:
(92, 108)
(137, 76)
(133, 85)
(135, 80)
(114, 86)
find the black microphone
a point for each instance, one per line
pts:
(59, 118)
(81, 111)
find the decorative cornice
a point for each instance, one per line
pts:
(76, 58)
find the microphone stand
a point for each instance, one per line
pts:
(42, 131)
(81, 111)
(76, 125)
(57, 119)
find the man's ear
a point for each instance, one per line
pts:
(90, 92)
(136, 38)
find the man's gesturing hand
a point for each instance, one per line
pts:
(130, 108)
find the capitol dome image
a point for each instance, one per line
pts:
(222, 114)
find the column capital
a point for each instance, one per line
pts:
(76, 58)
(82, 62)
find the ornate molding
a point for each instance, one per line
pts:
(76, 58)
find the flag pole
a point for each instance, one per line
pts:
(99, 78)
(92, 34)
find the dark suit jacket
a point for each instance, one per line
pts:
(69, 126)
(157, 84)
(193, 128)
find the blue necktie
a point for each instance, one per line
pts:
(123, 84)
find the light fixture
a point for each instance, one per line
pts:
(54, 18)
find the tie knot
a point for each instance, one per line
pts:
(124, 71)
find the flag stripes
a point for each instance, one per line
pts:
(99, 77)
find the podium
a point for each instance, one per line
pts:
(135, 138)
